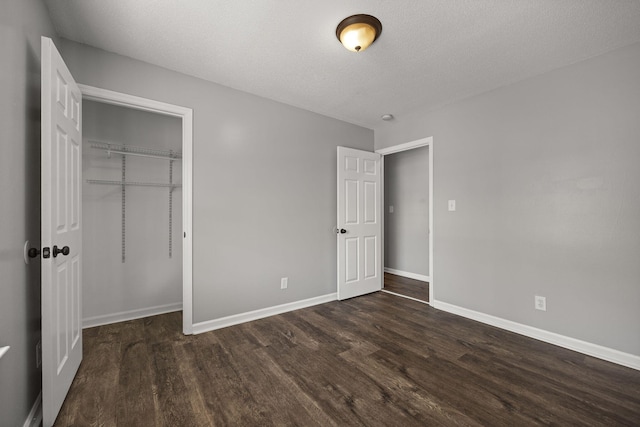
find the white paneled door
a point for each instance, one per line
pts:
(359, 228)
(61, 230)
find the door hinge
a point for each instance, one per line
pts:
(46, 252)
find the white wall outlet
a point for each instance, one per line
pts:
(38, 354)
(541, 303)
(284, 282)
(452, 205)
(390, 209)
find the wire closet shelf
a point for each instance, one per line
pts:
(130, 150)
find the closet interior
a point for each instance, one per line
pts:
(132, 213)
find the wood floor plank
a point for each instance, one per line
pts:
(195, 398)
(405, 286)
(374, 400)
(171, 392)
(575, 403)
(165, 328)
(226, 397)
(376, 360)
(283, 404)
(419, 338)
(307, 402)
(135, 403)
(341, 391)
(95, 386)
(405, 394)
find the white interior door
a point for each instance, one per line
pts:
(61, 230)
(359, 223)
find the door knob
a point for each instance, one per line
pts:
(342, 231)
(29, 252)
(63, 251)
(33, 252)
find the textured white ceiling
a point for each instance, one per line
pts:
(430, 53)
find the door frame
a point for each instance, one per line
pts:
(105, 96)
(423, 142)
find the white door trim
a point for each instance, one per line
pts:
(428, 142)
(186, 115)
(407, 146)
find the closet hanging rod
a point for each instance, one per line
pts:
(129, 153)
(140, 184)
(131, 150)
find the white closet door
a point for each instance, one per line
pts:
(61, 196)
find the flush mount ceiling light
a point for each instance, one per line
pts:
(357, 32)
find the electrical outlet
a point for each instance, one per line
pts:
(284, 282)
(38, 354)
(390, 208)
(540, 303)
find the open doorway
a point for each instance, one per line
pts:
(131, 213)
(147, 222)
(408, 219)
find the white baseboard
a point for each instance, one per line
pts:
(405, 296)
(415, 276)
(236, 319)
(595, 350)
(35, 415)
(106, 319)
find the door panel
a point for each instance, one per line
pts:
(61, 225)
(359, 251)
(370, 254)
(351, 252)
(370, 202)
(58, 170)
(76, 176)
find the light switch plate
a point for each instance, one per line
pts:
(452, 205)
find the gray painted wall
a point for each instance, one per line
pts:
(264, 184)
(546, 175)
(406, 230)
(22, 22)
(148, 278)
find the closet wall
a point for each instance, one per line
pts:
(148, 280)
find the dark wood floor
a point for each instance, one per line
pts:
(376, 360)
(408, 287)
